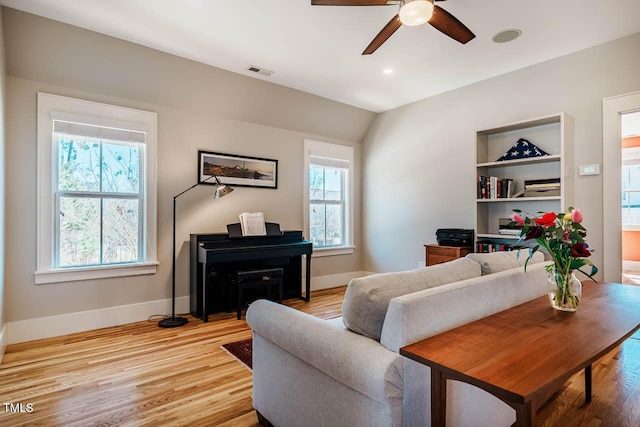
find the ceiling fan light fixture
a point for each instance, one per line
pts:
(415, 12)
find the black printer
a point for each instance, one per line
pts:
(454, 237)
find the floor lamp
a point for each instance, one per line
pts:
(173, 321)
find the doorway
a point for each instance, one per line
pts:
(630, 144)
(621, 188)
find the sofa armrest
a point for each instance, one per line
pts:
(351, 359)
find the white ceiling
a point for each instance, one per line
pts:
(317, 49)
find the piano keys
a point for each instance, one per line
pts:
(215, 256)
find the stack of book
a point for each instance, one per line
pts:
(508, 228)
(542, 187)
(493, 187)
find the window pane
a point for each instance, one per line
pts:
(317, 223)
(120, 168)
(316, 183)
(120, 226)
(333, 223)
(79, 231)
(634, 177)
(79, 165)
(634, 217)
(333, 184)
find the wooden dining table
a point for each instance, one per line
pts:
(524, 354)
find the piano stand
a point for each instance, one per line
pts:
(214, 258)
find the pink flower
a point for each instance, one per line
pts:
(517, 219)
(576, 216)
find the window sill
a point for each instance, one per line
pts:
(90, 273)
(342, 250)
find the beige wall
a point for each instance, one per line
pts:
(427, 148)
(2, 192)
(199, 107)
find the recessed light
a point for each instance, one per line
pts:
(388, 71)
(507, 35)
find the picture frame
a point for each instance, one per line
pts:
(236, 170)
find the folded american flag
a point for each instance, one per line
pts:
(522, 149)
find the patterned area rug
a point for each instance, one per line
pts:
(241, 351)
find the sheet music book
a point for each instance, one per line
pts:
(252, 224)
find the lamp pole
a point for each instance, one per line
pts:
(173, 321)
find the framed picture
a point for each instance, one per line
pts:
(242, 171)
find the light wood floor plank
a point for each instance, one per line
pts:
(142, 375)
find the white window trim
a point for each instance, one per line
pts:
(99, 114)
(335, 151)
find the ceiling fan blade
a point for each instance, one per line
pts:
(448, 24)
(383, 35)
(354, 2)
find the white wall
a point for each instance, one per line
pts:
(199, 107)
(419, 172)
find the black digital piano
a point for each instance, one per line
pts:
(215, 256)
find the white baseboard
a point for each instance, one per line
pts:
(334, 280)
(63, 324)
(629, 265)
(3, 341)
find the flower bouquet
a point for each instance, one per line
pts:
(561, 235)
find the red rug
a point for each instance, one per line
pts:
(241, 351)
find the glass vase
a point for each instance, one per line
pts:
(565, 290)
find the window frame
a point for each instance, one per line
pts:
(339, 152)
(55, 107)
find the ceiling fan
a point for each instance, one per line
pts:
(411, 13)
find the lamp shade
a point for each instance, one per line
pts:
(415, 12)
(222, 190)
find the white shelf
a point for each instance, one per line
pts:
(553, 134)
(519, 199)
(497, 236)
(534, 160)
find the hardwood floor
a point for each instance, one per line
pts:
(142, 375)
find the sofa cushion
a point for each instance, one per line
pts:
(367, 298)
(496, 262)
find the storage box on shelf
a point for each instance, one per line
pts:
(553, 134)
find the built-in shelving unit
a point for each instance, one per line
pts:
(553, 134)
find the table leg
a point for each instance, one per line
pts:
(587, 384)
(525, 415)
(438, 398)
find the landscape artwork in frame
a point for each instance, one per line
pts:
(243, 171)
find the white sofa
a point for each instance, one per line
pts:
(348, 372)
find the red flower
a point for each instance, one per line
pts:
(534, 232)
(547, 219)
(580, 250)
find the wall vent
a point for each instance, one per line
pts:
(259, 70)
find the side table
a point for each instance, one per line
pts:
(436, 254)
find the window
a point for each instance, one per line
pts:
(96, 190)
(631, 188)
(329, 197)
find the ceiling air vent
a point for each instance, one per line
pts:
(259, 70)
